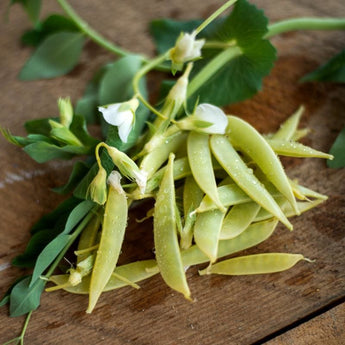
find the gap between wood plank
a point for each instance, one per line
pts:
(301, 321)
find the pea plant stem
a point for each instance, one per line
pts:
(90, 32)
(305, 23)
(211, 68)
(214, 15)
(140, 74)
(73, 237)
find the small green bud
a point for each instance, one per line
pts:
(128, 167)
(63, 134)
(98, 187)
(177, 95)
(66, 111)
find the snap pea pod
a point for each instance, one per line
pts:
(244, 177)
(192, 196)
(207, 232)
(255, 264)
(306, 192)
(289, 127)
(289, 211)
(113, 230)
(200, 162)
(88, 237)
(253, 235)
(181, 170)
(238, 219)
(133, 272)
(230, 194)
(155, 158)
(141, 270)
(300, 133)
(295, 149)
(167, 249)
(252, 143)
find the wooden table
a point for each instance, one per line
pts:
(304, 305)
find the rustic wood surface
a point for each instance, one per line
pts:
(296, 306)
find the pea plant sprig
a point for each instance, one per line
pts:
(233, 187)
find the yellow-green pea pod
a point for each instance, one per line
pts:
(300, 133)
(230, 194)
(200, 161)
(244, 177)
(207, 232)
(181, 170)
(253, 144)
(306, 192)
(133, 272)
(225, 181)
(154, 159)
(295, 149)
(167, 249)
(88, 237)
(255, 264)
(192, 196)
(238, 219)
(288, 210)
(289, 127)
(253, 235)
(113, 230)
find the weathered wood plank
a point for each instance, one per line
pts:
(327, 328)
(238, 310)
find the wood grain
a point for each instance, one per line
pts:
(239, 310)
(324, 329)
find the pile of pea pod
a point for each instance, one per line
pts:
(234, 191)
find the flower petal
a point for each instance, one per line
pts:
(126, 126)
(112, 115)
(210, 113)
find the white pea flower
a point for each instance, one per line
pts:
(215, 116)
(206, 118)
(121, 115)
(187, 48)
(141, 180)
(114, 180)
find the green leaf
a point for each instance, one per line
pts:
(49, 221)
(338, 151)
(80, 169)
(25, 298)
(333, 70)
(56, 56)
(241, 77)
(78, 213)
(79, 129)
(53, 248)
(6, 297)
(81, 191)
(40, 126)
(32, 8)
(116, 86)
(48, 255)
(36, 244)
(43, 152)
(87, 105)
(52, 24)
